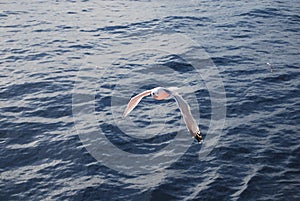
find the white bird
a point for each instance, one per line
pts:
(160, 93)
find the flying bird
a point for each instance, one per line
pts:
(160, 93)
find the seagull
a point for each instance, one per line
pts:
(160, 93)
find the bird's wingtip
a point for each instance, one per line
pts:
(198, 137)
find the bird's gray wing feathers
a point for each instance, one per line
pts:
(185, 110)
(134, 101)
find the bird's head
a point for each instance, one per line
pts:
(159, 93)
(155, 92)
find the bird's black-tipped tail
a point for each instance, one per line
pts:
(198, 137)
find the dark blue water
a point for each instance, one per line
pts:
(68, 69)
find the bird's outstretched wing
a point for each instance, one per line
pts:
(189, 120)
(134, 101)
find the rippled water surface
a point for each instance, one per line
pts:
(68, 68)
